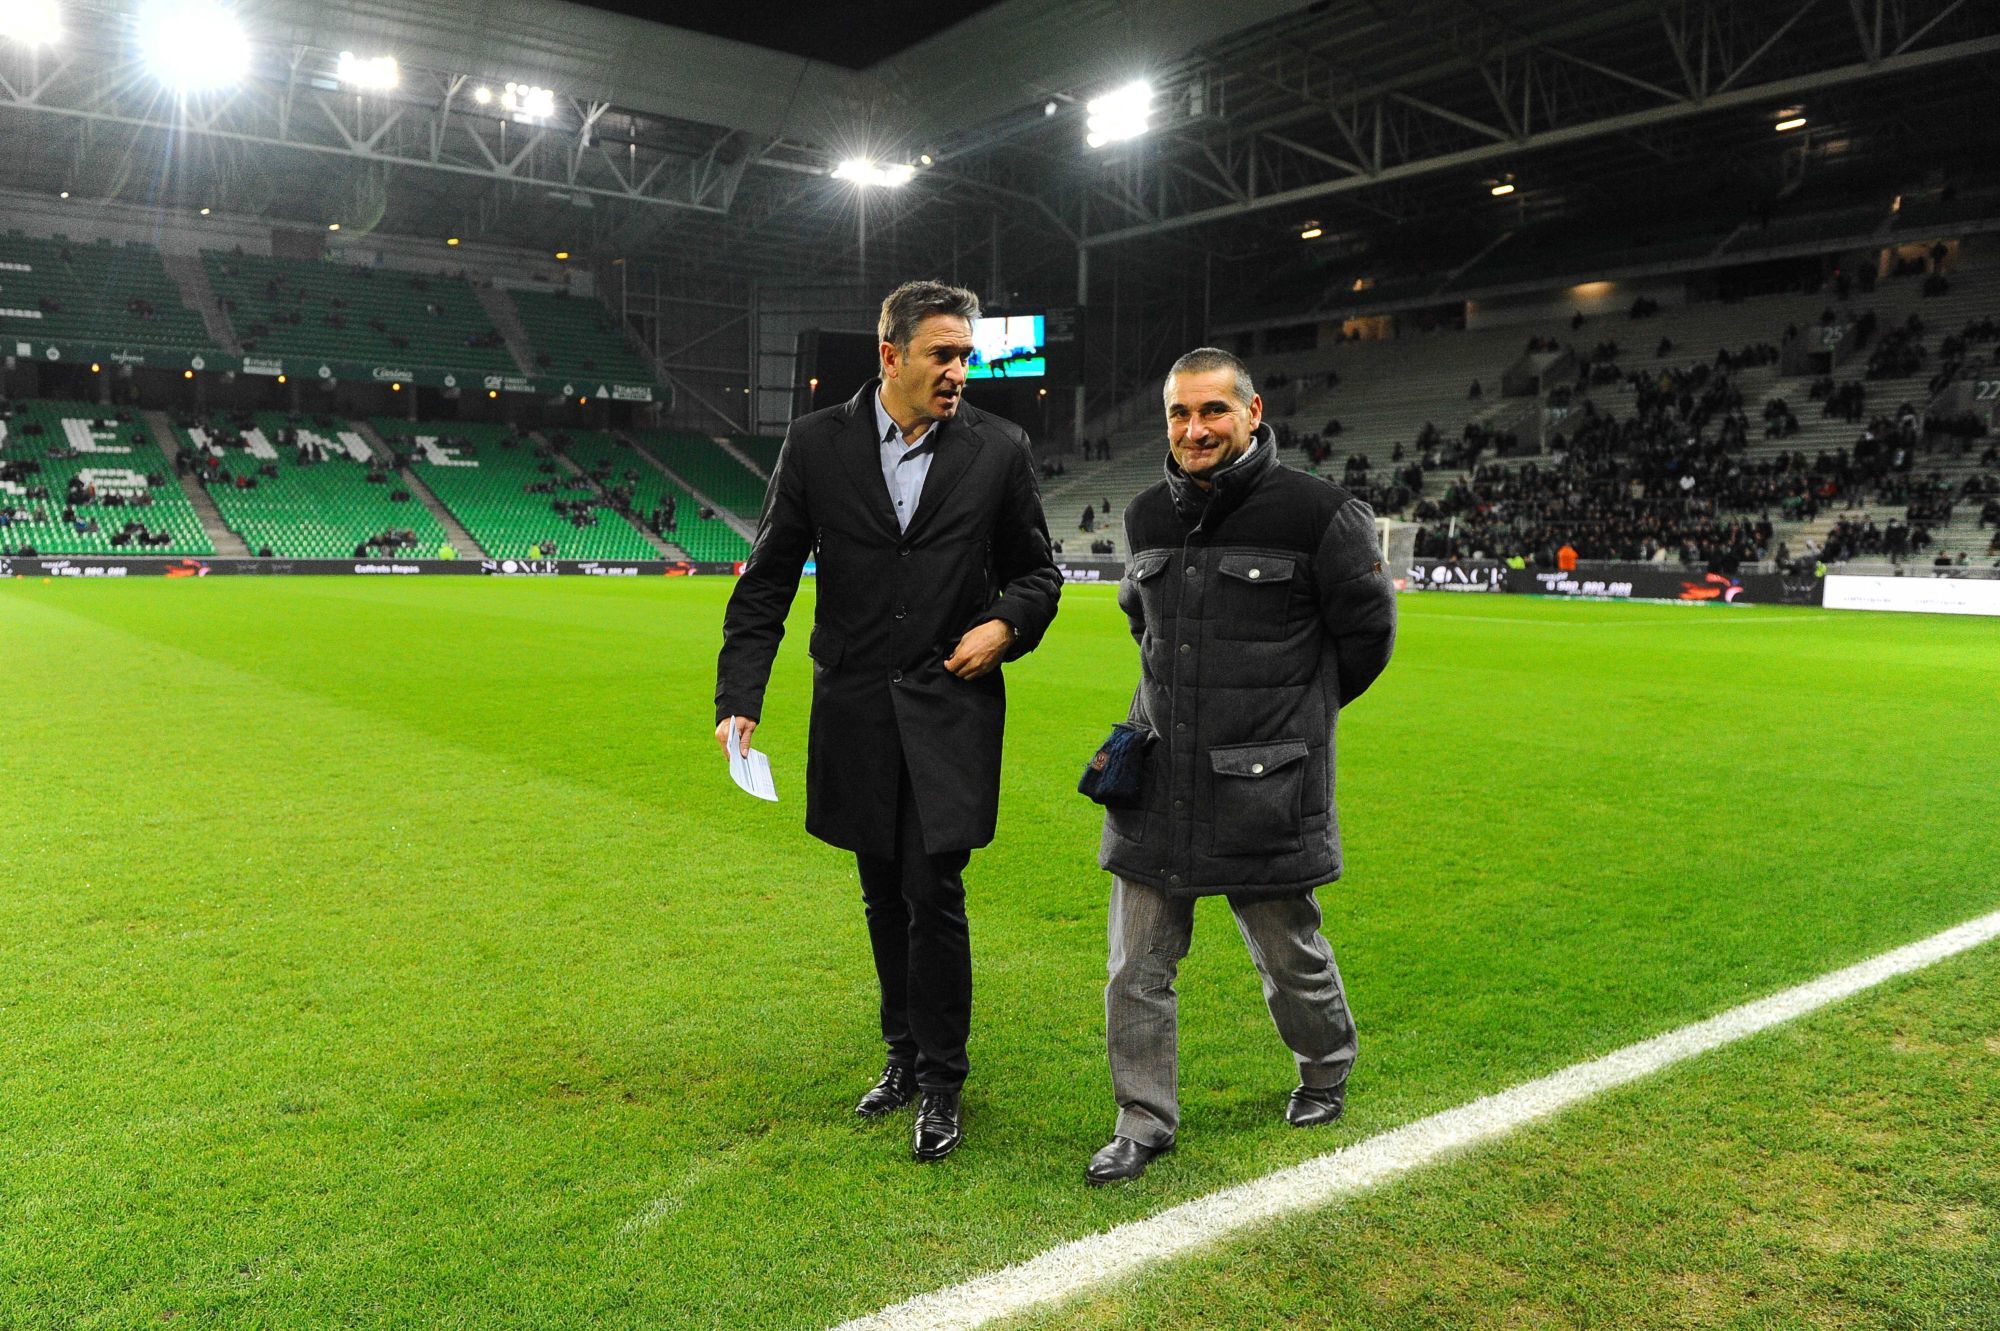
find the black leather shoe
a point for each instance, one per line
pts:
(896, 1089)
(1311, 1106)
(1121, 1159)
(938, 1131)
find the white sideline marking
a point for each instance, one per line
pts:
(1623, 623)
(1074, 1267)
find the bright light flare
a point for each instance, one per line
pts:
(32, 23)
(193, 45)
(524, 99)
(1502, 190)
(375, 75)
(863, 171)
(1311, 233)
(482, 94)
(1793, 122)
(1122, 114)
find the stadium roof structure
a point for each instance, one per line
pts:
(1269, 117)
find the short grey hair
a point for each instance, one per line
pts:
(1206, 360)
(913, 302)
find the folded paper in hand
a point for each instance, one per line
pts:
(752, 772)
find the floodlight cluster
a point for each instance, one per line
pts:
(863, 171)
(1125, 113)
(193, 45)
(376, 75)
(33, 23)
(527, 100)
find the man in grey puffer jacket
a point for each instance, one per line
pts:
(1258, 598)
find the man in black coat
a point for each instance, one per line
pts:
(933, 568)
(1257, 596)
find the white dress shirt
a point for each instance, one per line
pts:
(904, 466)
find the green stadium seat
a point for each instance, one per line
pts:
(338, 311)
(320, 510)
(616, 464)
(701, 462)
(100, 295)
(119, 458)
(484, 473)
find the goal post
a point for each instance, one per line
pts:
(1398, 542)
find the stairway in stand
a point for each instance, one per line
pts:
(226, 541)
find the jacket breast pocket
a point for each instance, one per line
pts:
(1259, 792)
(1145, 590)
(1252, 597)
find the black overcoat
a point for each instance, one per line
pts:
(891, 605)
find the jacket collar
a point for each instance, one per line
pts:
(953, 444)
(1228, 484)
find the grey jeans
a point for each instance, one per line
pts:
(1150, 933)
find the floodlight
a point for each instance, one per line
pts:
(1311, 233)
(863, 171)
(333, 226)
(378, 74)
(1503, 189)
(204, 212)
(451, 240)
(193, 45)
(562, 254)
(1793, 122)
(527, 100)
(95, 367)
(31, 22)
(482, 95)
(1122, 114)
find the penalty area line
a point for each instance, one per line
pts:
(1075, 1267)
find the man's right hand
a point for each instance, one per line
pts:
(745, 727)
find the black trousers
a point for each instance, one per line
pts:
(915, 904)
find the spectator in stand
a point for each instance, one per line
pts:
(1566, 558)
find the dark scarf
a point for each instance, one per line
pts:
(1227, 484)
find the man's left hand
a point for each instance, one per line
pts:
(980, 650)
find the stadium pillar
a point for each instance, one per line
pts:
(1083, 323)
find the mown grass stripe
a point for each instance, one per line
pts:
(1077, 1266)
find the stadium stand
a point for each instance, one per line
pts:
(77, 478)
(669, 511)
(706, 466)
(336, 311)
(306, 488)
(1405, 413)
(511, 493)
(576, 336)
(760, 449)
(93, 294)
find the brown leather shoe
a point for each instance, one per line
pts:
(896, 1089)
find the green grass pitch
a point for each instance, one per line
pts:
(399, 954)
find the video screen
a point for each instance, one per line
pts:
(1009, 347)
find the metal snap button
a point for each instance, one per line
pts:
(1186, 647)
(1256, 769)
(1256, 572)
